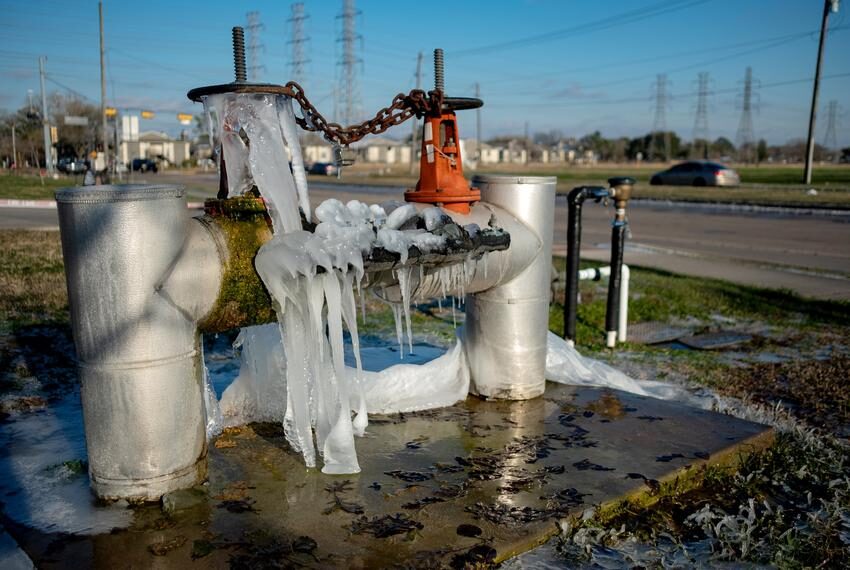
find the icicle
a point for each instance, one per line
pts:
(404, 285)
(287, 121)
(396, 309)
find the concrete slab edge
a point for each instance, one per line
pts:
(683, 479)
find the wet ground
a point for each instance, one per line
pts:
(476, 482)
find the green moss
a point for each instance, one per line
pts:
(243, 299)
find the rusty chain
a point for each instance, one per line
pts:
(417, 103)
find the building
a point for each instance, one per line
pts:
(156, 146)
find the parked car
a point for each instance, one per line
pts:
(71, 165)
(325, 168)
(697, 173)
(144, 165)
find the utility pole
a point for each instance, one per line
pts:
(254, 46)
(298, 40)
(701, 121)
(745, 139)
(103, 87)
(527, 144)
(477, 123)
(14, 148)
(348, 84)
(659, 123)
(413, 137)
(828, 6)
(45, 121)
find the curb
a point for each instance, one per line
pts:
(51, 204)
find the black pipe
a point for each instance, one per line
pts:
(621, 191)
(575, 199)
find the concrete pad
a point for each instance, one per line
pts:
(479, 481)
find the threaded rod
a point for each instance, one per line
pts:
(439, 78)
(239, 55)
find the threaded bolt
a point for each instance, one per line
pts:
(239, 55)
(439, 77)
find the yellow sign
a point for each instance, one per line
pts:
(148, 114)
(185, 118)
(111, 111)
(54, 135)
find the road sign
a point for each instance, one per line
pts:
(111, 111)
(185, 118)
(76, 121)
(148, 114)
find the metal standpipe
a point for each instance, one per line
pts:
(621, 191)
(506, 326)
(140, 275)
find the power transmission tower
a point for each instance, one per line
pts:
(660, 135)
(348, 79)
(699, 146)
(413, 137)
(830, 141)
(254, 46)
(745, 139)
(298, 41)
(103, 90)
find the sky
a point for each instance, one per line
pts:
(571, 65)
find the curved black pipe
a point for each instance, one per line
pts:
(575, 199)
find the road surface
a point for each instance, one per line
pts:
(809, 254)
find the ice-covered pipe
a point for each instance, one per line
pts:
(140, 276)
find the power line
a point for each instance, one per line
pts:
(623, 18)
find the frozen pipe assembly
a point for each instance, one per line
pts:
(145, 280)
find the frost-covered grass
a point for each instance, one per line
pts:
(786, 506)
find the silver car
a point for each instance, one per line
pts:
(697, 173)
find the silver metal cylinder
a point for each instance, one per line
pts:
(129, 251)
(506, 326)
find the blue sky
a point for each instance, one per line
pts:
(572, 65)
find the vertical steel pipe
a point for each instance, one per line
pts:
(506, 326)
(139, 273)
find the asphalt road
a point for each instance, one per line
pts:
(809, 254)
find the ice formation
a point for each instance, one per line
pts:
(312, 277)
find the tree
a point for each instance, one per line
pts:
(75, 141)
(761, 151)
(722, 148)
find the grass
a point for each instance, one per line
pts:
(762, 185)
(32, 279)
(28, 187)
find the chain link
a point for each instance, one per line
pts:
(417, 103)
